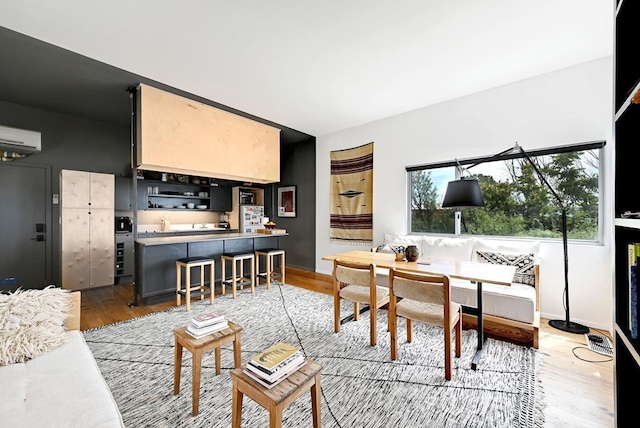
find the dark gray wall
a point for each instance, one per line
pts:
(68, 142)
(298, 167)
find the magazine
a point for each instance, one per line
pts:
(208, 319)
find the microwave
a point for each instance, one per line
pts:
(123, 225)
(246, 198)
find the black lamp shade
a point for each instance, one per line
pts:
(463, 193)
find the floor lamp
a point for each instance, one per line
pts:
(465, 193)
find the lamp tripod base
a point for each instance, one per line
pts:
(570, 327)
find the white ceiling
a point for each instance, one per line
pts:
(323, 66)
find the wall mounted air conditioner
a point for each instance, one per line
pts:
(19, 140)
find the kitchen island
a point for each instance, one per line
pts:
(155, 279)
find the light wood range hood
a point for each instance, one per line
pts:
(183, 136)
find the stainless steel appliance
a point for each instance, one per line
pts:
(246, 197)
(251, 218)
(123, 224)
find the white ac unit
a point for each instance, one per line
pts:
(19, 140)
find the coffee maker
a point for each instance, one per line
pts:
(224, 221)
(123, 225)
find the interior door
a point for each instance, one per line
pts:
(23, 224)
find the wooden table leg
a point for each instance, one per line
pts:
(237, 349)
(197, 366)
(315, 402)
(177, 366)
(236, 400)
(275, 416)
(217, 352)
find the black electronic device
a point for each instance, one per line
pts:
(123, 225)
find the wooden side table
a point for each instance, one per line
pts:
(199, 346)
(278, 397)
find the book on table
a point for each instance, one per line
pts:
(208, 319)
(204, 331)
(283, 374)
(274, 357)
(268, 376)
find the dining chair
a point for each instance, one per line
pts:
(424, 298)
(356, 282)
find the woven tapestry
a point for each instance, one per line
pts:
(352, 195)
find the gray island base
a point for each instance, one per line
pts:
(155, 279)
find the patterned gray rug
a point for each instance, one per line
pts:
(361, 385)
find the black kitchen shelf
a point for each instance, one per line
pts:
(171, 193)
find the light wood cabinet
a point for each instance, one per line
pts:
(87, 222)
(180, 135)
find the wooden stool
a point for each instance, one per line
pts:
(269, 274)
(197, 347)
(237, 278)
(188, 263)
(278, 397)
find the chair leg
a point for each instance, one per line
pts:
(458, 328)
(393, 330)
(178, 283)
(223, 277)
(269, 269)
(409, 332)
(188, 285)
(253, 276)
(202, 268)
(282, 269)
(212, 283)
(336, 313)
(233, 277)
(447, 351)
(356, 311)
(373, 323)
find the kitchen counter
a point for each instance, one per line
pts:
(186, 238)
(156, 259)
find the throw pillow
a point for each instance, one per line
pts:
(32, 323)
(523, 262)
(390, 249)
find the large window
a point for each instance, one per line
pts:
(517, 202)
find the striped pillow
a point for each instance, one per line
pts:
(524, 264)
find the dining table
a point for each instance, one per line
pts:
(476, 272)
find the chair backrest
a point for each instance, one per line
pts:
(354, 273)
(430, 288)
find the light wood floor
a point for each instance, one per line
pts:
(578, 387)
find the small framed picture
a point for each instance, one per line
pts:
(287, 201)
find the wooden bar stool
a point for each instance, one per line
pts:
(270, 274)
(238, 279)
(187, 291)
(278, 397)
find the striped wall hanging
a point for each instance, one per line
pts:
(352, 195)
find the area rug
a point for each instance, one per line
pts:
(351, 201)
(360, 385)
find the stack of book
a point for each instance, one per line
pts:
(208, 323)
(273, 365)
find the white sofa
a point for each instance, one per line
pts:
(512, 312)
(62, 388)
